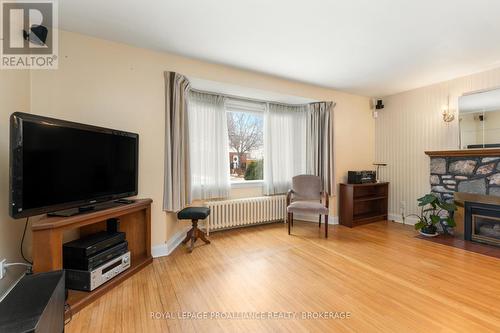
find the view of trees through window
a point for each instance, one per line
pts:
(246, 143)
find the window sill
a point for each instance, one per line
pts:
(247, 184)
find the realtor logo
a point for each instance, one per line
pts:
(29, 34)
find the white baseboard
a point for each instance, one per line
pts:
(162, 250)
(412, 220)
(314, 218)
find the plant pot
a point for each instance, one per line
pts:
(429, 230)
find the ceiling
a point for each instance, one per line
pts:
(367, 47)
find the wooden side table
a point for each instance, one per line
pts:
(363, 203)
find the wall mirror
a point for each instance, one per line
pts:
(479, 119)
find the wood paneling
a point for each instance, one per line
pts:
(388, 280)
(410, 124)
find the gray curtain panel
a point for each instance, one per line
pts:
(320, 142)
(176, 194)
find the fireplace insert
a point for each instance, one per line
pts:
(482, 223)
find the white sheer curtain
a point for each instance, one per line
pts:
(208, 141)
(285, 146)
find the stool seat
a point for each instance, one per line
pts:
(193, 213)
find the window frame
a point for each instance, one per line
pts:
(246, 106)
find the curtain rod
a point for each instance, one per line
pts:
(248, 98)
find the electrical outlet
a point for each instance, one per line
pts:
(2, 268)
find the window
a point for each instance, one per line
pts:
(245, 125)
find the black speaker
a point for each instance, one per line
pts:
(112, 225)
(361, 177)
(380, 105)
(35, 304)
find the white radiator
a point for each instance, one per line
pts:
(226, 214)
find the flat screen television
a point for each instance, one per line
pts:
(57, 165)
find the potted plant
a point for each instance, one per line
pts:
(433, 210)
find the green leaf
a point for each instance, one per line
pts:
(419, 225)
(427, 199)
(447, 206)
(450, 221)
(435, 219)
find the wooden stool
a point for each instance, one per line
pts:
(194, 214)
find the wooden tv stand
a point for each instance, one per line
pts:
(135, 221)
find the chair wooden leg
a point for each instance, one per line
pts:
(290, 221)
(320, 221)
(326, 226)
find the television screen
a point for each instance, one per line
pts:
(58, 165)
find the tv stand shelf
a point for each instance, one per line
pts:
(135, 221)
(362, 203)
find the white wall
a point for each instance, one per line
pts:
(410, 124)
(14, 96)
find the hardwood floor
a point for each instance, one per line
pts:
(387, 280)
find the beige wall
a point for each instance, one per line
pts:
(14, 96)
(115, 85)
(410, 124)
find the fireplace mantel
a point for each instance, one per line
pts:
(462, 197)
(482, 152)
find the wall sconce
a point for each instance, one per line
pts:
(448, 115)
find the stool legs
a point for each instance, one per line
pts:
(193, 234)
(188, 236)
(203, 237)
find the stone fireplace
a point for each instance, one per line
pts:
(479, 175)
(470, 179)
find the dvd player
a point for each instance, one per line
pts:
(87, 246)
(90, 280)
(95, 260)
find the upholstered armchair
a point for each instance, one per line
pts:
(306, 197)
